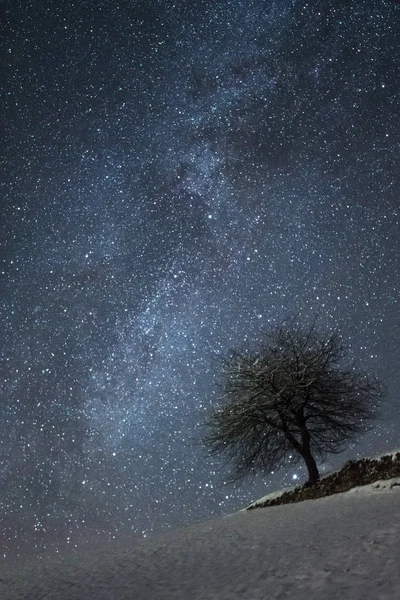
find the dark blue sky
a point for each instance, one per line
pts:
(178, 177)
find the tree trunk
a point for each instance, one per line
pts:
(313, 473)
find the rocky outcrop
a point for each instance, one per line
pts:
(354, 473)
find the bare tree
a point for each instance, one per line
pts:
(291, 397)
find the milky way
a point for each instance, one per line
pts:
(179, 176)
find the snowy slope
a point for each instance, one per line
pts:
(344, 546)
(378, 471)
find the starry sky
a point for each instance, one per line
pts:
(177, 177)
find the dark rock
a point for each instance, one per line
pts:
(353, 474)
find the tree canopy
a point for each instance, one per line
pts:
(291, 396)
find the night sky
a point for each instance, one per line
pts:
(177, 177)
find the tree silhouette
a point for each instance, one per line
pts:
(290, 398)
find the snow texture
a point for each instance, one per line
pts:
(344, 546)
(272, 496)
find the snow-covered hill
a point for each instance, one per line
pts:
(358, 475)
(343, 546)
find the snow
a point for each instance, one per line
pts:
(378, 486)
(343, 546)
(393, 454)
(271, 496)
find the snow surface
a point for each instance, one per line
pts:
(271, 496)
(344, 546)
(260, 502)
(393, 454)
